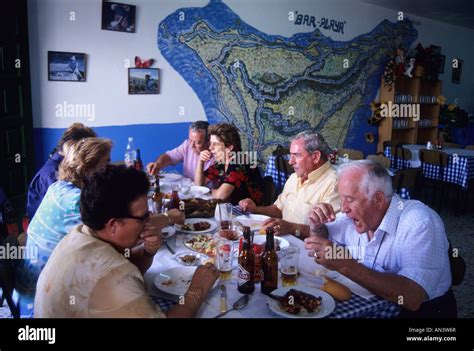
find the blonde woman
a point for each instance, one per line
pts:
(58, 213)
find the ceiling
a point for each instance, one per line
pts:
(456, 12)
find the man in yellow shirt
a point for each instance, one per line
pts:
(313, 182)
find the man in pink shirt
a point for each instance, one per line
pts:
(188, 152)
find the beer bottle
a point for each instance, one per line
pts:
(138, 164)
(245, 282)
(157, 196)
(175, 200)
(269, 264)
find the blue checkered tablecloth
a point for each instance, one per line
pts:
(356, 307)
(460, 169)
(279, 177)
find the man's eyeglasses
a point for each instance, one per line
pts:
(142, 218)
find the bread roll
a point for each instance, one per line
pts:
(337, 290)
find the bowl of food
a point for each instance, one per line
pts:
(190, 258)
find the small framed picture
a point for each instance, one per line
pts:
(118, 17)
(66, 66)
(143, 81)
(456, 66)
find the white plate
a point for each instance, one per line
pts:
(199, 258)
(176, 280)
(196, 220)
(327, 304)
(197, 190)
(170, 177)
(260, 239)
(168, 232)
(205, 244)
(254, 221)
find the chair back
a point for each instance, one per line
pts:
(281, 163)
(351, 154)
(433, 157)
(269, 192)
(380, 159)
(453, 145)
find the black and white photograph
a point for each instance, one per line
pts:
(143, 81)
(118, 17)
(66, 66)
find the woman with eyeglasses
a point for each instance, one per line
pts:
(91, 265)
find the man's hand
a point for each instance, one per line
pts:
(320, 214)
(152, 240)
(280, 227)
(247, 205)
(176, 216)
(152, 168)
(326, 253)
(204, 278)
(205, 155)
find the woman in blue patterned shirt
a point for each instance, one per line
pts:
(57, 213)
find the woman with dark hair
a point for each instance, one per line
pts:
(91, 263)
(47, 175)
(231, 175)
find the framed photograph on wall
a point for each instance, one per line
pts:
(456, 71)
(143, 81)
(118, 17)
(66, 66)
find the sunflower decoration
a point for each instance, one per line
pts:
(441, 100)
(376, 117)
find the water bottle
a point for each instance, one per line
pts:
(130, 154)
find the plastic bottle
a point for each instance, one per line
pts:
(130, 154)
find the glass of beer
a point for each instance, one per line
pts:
(225, 256)
(289, 265)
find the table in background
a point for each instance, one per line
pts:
(460, 168)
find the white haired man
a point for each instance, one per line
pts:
(313, 182)
(403, 244)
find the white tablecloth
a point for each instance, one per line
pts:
(364, 305)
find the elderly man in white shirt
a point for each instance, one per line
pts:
(397, 250)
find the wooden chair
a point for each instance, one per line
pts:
(469, 147)
(381, 159)
(269, 191)
(390, 143)
(282, 165)
(453, 145)
(439, 159)
(398, 152)
(351, 154)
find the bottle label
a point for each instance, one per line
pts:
(243, 276)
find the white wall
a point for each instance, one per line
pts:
(106, 86)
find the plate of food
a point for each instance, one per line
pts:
(301, 302)
(189, 258)
(254, 221)
(202, 243)
(199, 208)
(280, 243)
(196, 226)
(197, 190)
(176, 280)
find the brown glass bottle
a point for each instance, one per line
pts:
(269, 264)
(245, 278)
(157, 196)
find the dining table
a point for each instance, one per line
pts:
(459, 170)
(362, 303)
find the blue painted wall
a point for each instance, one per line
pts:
(151, 139)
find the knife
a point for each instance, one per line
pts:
(223, 298)
(169, 248)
